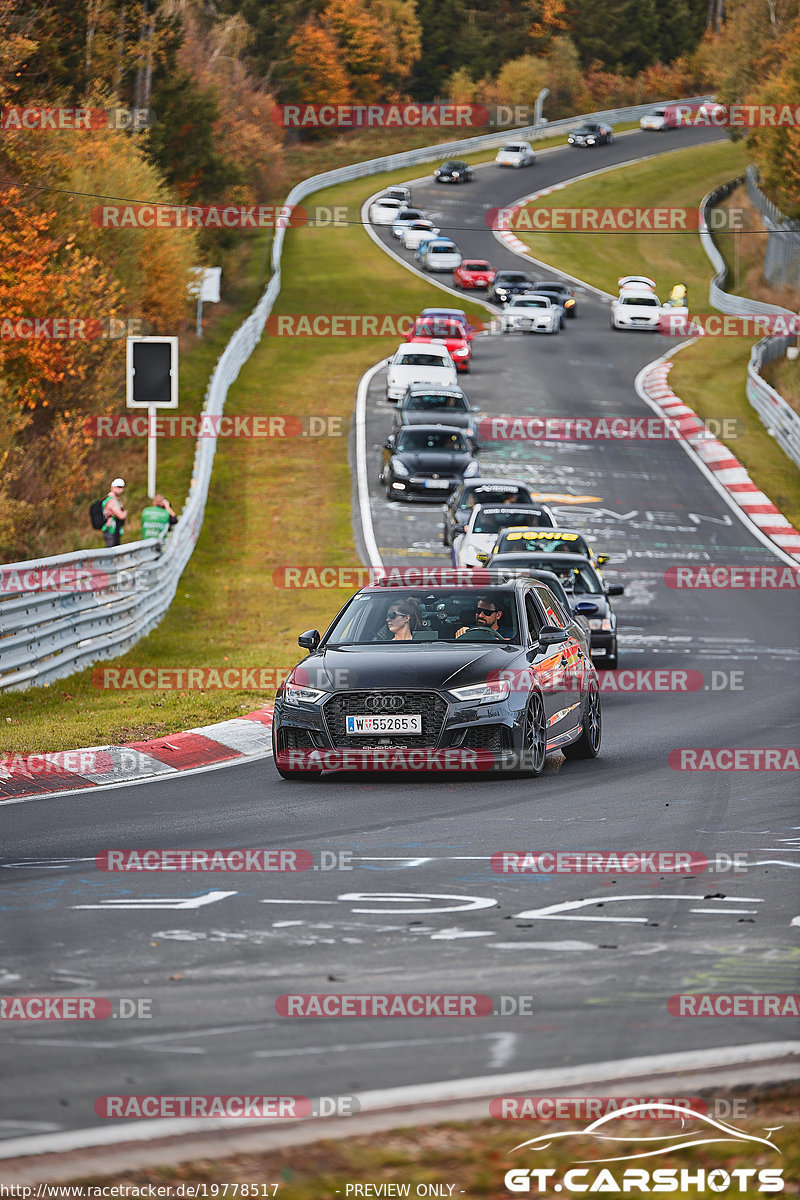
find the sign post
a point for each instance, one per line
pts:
(151, 383)
(205, 285)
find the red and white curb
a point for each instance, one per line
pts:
(33, 775)
(717, 458)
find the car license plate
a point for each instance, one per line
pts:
(383, 723)
(436, 483)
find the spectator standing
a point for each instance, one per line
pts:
(158, 518)
(114, 513)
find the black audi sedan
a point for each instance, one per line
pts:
(507, 284)
(468, 677)
(454, 171)
(588, 595)
(427, 460)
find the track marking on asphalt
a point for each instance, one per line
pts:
(565, 946)
(158, 902)
(566, 911)
(349, 1047)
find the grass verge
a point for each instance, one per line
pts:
(271, 502)
(710, 375)
(473, 1157)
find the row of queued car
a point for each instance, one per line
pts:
(433, 441)
(496, 523)
(432, 250)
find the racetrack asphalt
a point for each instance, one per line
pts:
(418, 907)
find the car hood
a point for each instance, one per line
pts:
(433, 460)
(387, 667)
(512, 287)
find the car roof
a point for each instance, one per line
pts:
(469, 587)
(434, 389)
(432, 427)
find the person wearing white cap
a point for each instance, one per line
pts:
(114, 513)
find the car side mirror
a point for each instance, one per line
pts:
(603, 558)
(616, 589)
(551, 635)
(586, 608)
(309, 640)
(482, 558)
(389, 444)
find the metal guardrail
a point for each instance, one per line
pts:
(782, 255)
(48, 634)
(778, 417)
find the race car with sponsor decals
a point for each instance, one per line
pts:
(473, 541)
(545, 541)
(481, 491)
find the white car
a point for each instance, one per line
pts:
(515, 154)
(658, 119)
(416, 232)
(532, 314)
(440, 255)
(637, 306)
(486, 521)
(419, 362)
(384, 210)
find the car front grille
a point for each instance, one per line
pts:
(429, 705)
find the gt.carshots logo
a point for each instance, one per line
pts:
(696, 1129)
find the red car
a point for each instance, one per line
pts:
(446, 330)
(474, 273)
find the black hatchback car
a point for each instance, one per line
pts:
(592, 133)
(478, 676)
(454, 171)
(507, 284)
(426, 460)
(588, 595)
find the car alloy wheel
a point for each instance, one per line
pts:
(588, 744)
(534, 738)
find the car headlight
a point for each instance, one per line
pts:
(399, 467)
(461, 353)
(483, 693)
(569, 303)
(602, 623)
(472, 469)
(293, 693)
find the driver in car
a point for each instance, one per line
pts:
(487, 616)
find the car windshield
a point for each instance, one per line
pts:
(513, 148)
(576, 579)
(475, 266)
(436, 615)
(491, 520)
(421, 359)
(641, 301)
(441, 248)
(436, 402)
(431, 439)
(410, 214)
(485, 493)
(511, 277)
(438, 327)
(544, 542)
(532, 303)
(452, 165)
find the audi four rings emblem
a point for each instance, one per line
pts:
(385, 703)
